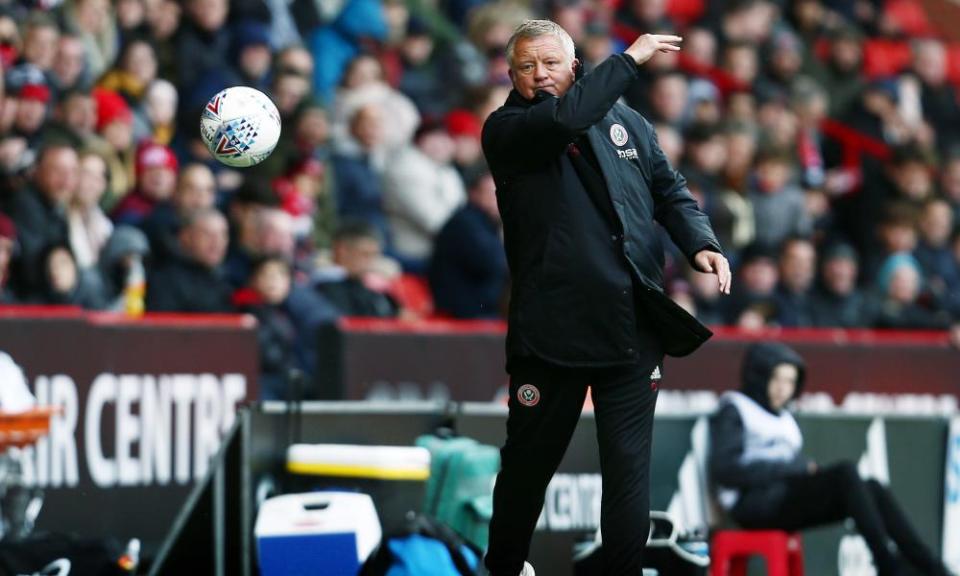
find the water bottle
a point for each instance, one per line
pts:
(135, 289)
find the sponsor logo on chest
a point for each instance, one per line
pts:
(619, 137)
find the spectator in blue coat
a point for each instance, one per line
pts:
(335, 44)
(468, 271)
(933, 249)
(359, 189)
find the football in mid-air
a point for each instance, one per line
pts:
(240, 126)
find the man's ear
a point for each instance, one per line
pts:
(577, 68)
(510, 73)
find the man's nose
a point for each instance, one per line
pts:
(540, 72)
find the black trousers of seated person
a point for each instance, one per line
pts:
(537, 437)
(831, 495)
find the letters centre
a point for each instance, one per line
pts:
(132, 429)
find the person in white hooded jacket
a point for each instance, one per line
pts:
(764, 482)
(421, 190)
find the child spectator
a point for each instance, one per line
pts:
(896, 233)
(64, 284)
(764, 481)
(263, 232)
(276, 331)
(778, 205)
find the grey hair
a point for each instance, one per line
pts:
(535, 29)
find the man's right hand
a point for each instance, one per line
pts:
(644, 47)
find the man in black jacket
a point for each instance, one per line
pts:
(39, 212)
(194, 282)
(580, 180)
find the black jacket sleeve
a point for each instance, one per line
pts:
(726, 451)
(674, 207)
(525, 137)
(162, 292)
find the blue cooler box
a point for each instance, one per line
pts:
(394, 476)
(316, 534)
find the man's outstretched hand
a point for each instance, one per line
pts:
(714, 263)
(644, 47)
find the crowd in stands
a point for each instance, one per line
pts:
(822, 138)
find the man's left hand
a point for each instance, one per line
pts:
(714, 263)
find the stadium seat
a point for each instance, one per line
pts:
(730, 550)
(953, 63)
(885, 58)
(683, 12)
(910, 17)
(413, 293)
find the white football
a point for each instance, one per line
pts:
(240, 126)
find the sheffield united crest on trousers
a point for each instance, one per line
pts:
(528, 395)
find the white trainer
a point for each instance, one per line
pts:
(527, 570)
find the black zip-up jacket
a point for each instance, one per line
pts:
(579, 282)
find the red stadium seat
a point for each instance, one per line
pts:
(683, 12)
(730, 550)
(953, 62)
(910, 17)
(412, 292)
(885, 58)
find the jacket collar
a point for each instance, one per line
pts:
(515, 99)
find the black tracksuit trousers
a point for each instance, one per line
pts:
(540, 424)
(833, 494)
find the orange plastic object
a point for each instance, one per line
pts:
(19, 429)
